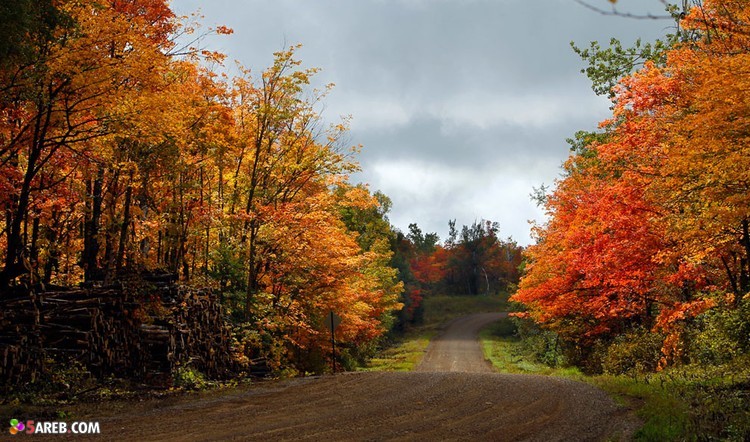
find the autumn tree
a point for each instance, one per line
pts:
(285, 236)
(479, 262)
(68, 103)
(123, 153)
(649, 226)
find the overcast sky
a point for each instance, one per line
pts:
(462, 106)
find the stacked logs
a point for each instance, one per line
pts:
(190, 337)
(20, 340)
(139, 332)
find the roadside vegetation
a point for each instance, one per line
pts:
(640, 275)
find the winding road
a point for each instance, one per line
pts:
(453, 395)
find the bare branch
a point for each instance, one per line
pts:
(615, 12)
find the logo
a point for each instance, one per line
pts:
(16, 426)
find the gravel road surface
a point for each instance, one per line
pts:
(457, 349)
(454, 395)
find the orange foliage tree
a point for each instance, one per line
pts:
(650, 225)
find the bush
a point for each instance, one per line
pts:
(636, 352)
(717, 398)
(505, 328)
(720, 334)
(541, 345)
(189, 378)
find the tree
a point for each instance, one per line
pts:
(649, 225)
(78, 87)
(479, 262)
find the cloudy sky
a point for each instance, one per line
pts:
(462, 106)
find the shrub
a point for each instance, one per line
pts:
(635, 352)
(720, 334)
(717, 397)
(541, 345)
(189, 378)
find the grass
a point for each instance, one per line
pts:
(402, 355)
(503, 349)
(663, 413)
(665, 402)
(407, 351)
(664, 416)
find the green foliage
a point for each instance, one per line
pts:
(717, 399)
(693, 402)
(664, 415)
(509, 354)
(540, 195)
(582, 140)
(720, 334)
(539, 345)
(423, 242)
(636, 352)
(227, 267)
(26, 23)
(699, 401)
(370, 224)
(606, 66)
(504, 328)
(188, 378)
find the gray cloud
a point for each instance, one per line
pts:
(462, 105)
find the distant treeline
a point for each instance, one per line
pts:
(472, 261)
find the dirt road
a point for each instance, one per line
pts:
(454, 396)
(456, 349)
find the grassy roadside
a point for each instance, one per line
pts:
(503, 349)
(405, 352)
(664, 415)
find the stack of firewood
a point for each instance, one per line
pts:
(191, 336)
(141, 332)
(20, 340)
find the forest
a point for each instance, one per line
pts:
(162, 218)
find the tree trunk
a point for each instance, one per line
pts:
(91, 246)
(745, 261)
(124, 225)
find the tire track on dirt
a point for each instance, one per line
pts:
(454, 395)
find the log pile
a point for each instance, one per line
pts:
(20, 340)
(138, 331)
(191, 336)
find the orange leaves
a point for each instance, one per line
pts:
(655, 219)
(152, 18)
(430, 269)
(213, 56)
(223, 30)
(149, 161)
(284, 190)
